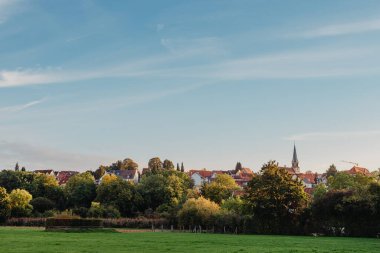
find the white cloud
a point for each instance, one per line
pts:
(319, 136)
(21, 107)
(343, 29)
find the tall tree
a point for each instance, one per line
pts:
(118, 193)
(275, 199)
(168, 165)
(155, 165)
(182, 167)
(81, 190)
(178, 168)
(17, 167)
(220, 189)
(238, 167)
(331, 171)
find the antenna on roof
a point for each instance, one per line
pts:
(356, 164)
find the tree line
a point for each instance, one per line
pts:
(272, 203)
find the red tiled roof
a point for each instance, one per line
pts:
(64, 176)
(202, 173)
(357, 170)
(309, 176)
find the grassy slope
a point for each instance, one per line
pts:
(28, 240)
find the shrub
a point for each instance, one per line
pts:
(72, 223)
(42, 204)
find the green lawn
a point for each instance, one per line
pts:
(31, 240)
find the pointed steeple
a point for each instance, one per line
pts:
(295, 160)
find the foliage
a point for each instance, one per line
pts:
(164, 188)
(168, 165)
(118, 193)
(5, 205)
(275, 199)
(19, 201)
(155, 165)
(42, 204)
(233, 205)
(221, 188)
(80, 190)
(331, 171)
(198, 211)
(346, 181)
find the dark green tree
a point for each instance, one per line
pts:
(155, 165)
(331, 171)
(17, 167)
(238, 167)
(117, 193)
(182, 167)
(275, 199)
(178, 168)
(168, 165)
(80, 190)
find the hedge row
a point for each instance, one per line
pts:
(73, 223)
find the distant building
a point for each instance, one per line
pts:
(64, 176)
(358, 170)
(127, 175)
(241, 177)
(46, 172)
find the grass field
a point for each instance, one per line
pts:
(33, 240)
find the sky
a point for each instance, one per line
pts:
(204, 82)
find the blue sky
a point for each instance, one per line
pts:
(209, 83)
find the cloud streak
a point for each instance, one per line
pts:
(342, 29)
(319, 136)
(21, 107)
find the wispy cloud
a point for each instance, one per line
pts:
(7, 9)
(185, 61)
(342, 29)
(318, 136)
(37, 157)
(21, 107)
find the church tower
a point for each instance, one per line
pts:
(295, 165)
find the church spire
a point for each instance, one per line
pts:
(295, 160)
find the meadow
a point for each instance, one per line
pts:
(36, 240)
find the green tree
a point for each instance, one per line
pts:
(168, 165)
(178, 168)
(80, 190)
(319, 191)
(166, 188)
(42, 204)
(100, 172)
(126, 164)
(5, 205)
(275, 199)
(182, 168)
(238, 167)
(155, 165)
(346, 181)
(221, 188)
(10, 180)
(331, 171)
(118, 193)
(19, 200)
(198, 211)
(17, 167)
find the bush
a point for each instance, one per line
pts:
(42, 204)
(26, 222)
(72, 223)
(140, 222)
(81, 211)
